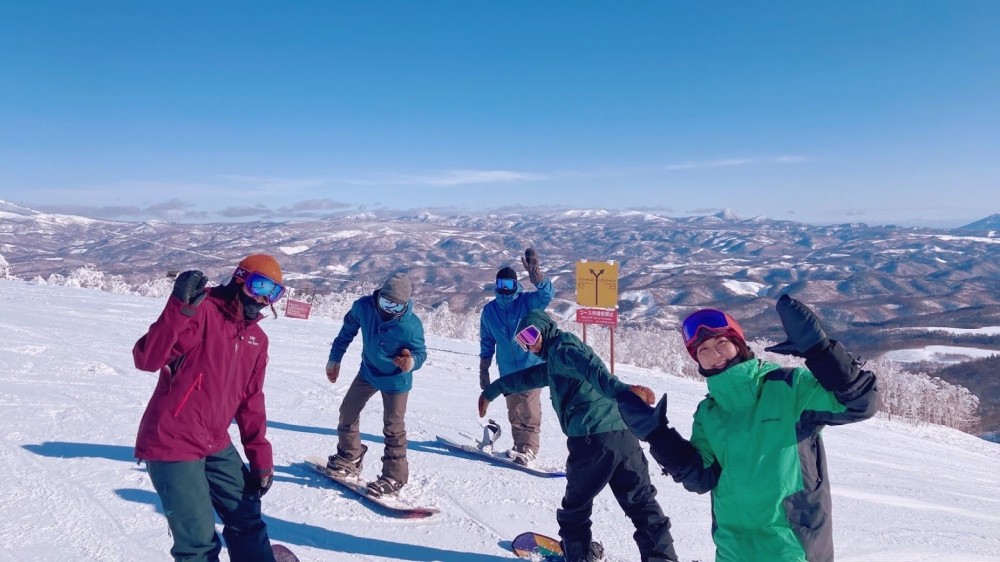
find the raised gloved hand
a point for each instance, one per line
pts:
(530, 262)
(802, 327)
(404, 361)
(484, 373)
(332, 371)
(258, 482)
(483, 405)
(639, 416)
(189, 287)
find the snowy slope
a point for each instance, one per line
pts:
(71, 401)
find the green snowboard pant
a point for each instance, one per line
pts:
(192, 492)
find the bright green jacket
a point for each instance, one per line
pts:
(762, 457)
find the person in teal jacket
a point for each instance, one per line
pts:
(392, 348)
(602, 452)
(497, 325)
(756, 441)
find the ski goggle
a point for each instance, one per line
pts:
(391, 307)
(260, 285)
(708, 322)
(506, 285)
(527, 337)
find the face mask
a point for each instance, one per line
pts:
(251, 308)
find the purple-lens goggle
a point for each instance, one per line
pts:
(713, 321)
(527, 337)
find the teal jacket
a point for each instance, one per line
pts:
(498, 324)
(381, 341)
(582, 390)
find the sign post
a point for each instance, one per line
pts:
(597, 295)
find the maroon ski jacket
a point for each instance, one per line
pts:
(211, 363)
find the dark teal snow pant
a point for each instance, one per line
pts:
(193, 491)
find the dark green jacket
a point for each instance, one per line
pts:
(582, 390)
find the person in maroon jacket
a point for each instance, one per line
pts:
(211, 355)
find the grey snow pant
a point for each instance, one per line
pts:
(524, 412)
(191, 490)
(612, 459)
(394, 463)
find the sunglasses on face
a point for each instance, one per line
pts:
(260, 285)
(505, 285)
(391, 307)
(527, 337)
(707, 319)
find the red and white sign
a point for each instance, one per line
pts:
(297, 309)
(601, 316)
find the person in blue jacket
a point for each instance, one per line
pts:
(497, 325)
(392, 348)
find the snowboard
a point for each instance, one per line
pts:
(282, 554)
(498, 458)
(532, 546)
(391, 505)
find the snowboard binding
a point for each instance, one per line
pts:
(491, 432)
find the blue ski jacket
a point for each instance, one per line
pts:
(381, 341)
(498, 324)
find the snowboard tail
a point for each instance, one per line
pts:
(282, 554)
(391, 506)
(500, 459)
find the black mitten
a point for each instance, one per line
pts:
(530, 262)
(802, 328)
(189, 287)
(257, 482)
(641, 418)
(671, 451)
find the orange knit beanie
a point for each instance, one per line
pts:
(260, 263)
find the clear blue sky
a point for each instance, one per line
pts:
(874, 111)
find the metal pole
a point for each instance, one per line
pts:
(612, 350)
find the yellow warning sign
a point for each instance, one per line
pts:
(597, 284)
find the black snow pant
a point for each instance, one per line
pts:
(612, 459)
(193, 491)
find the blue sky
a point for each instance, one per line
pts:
(882, 111)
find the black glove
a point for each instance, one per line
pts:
(530, 262)
(805, 335)
(484, 372)
(190, 287)
(640, 417)
(257, 483)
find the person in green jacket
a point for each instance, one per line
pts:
(602, 452)
(756, 440)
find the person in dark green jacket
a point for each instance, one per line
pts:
(602, 452)
(756, 440)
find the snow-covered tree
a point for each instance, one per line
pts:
(5, 269)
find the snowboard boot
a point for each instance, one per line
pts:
(344, 467)
(383, 486)
(521, 455)
(576, 552)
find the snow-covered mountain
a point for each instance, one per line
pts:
(72, 492)
(868, 278)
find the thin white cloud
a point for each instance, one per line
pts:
(732, 162)
(450, 178)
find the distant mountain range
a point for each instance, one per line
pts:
(862, 279)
